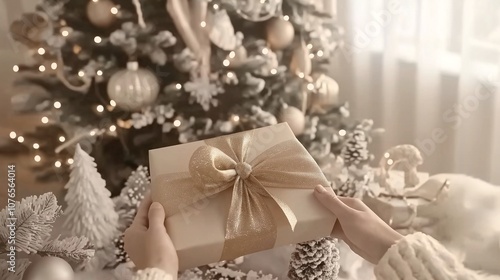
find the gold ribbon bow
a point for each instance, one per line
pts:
(223, 166)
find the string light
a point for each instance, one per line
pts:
(178, 86)
(41, 68)
(112, 103)
(70, 161)
(265, 51)
(203, 24)
(342, 132)
(112, 128)
(262, 1)
(309, 46)
(274, 71)
(286, 18)
(100, 108)
(97, 39)
(310, 86)
(216, 7)
(45, 120)
(20, 139)
(37, 158)
(92, 133)
(53, 66)
(65, 33)
(15, 68)
(232, 54)
(301, 75)
(387, 155)
(12, 135)
(36, 146)
(236, 118)
(81, 73)
(225, 62)
(311, 55)
(57, 104)
(41, 51)
(319, 53)
(62, 139)
(57, 164)
(230, 74)
(99, 73)
(390, 161)
(177, 123)
(114, 10)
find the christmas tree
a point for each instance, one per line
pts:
(90, 210)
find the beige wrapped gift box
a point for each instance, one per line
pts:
(238, 194)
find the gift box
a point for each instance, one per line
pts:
(238, 194)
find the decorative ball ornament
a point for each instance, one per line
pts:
(49, 268)
(133, 88)
(99, 13)
(325, 95)
(301, 62)
(295, 119)
(280, 33)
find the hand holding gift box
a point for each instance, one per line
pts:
(238, 194)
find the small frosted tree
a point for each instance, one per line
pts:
(90, 210)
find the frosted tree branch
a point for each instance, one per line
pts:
(77, 249)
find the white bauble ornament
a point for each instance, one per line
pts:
(301, 62)
(99, 13)
(280, 33)
(133, 88)
(326, 93)
(295, 119)
(49, 268)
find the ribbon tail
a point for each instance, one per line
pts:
(287, 211)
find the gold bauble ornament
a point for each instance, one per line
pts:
(49, 268)
(238, 57)
(280, 33)
(325, 95)
(295, 119)
(99, 13)
(301, 62)
(133, 88)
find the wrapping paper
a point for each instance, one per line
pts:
(238, 194)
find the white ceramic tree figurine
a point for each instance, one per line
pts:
(90, 211)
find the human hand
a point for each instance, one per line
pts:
(365, 233)
(147, 242)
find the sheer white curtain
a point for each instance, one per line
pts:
(427, 72)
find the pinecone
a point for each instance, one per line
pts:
(347, 189)
(315, 260)
(137, 185)
(120, 254)
(355, 150)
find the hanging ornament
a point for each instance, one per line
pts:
(325, 94)
(32, 29)
(238, 57)
(222, 31)
(301, 62)
(295, 119)
(100, 14)
(280, 33)
(49, 268)
(133, 88)
(258, 10)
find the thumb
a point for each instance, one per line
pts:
(156, 216)
(330, 200)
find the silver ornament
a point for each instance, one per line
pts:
(295, 119)
(133, 88)
(49, 268)
(99, 13)
(280, 33)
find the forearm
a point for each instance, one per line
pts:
(420, 257)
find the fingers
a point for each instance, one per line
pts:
(141, 218)
(156, 216)
(354, 203)
(330, 200)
